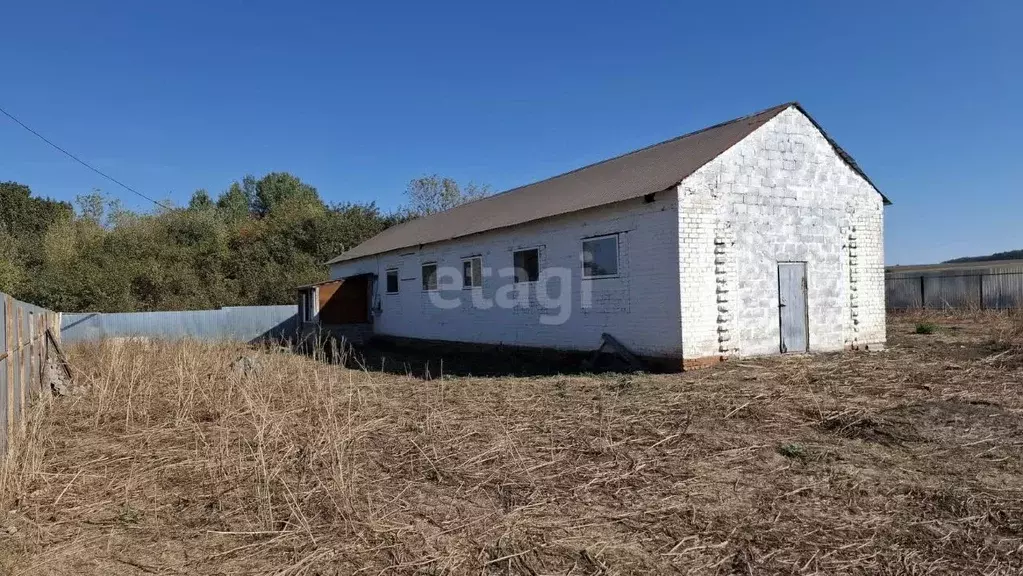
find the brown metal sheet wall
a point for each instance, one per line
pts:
(345, 301)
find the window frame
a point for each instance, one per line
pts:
(470, 260)
(397, 281)
(539, 268)
(618, 256)
(422, 277)
(308, 301)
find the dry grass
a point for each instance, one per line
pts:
(902, 462)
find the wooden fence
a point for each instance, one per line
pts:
(22, 361)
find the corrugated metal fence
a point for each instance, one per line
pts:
(982, 291)
(22, 358)
(239, 323)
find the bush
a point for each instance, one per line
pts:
(926, 328)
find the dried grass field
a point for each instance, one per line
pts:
(906, 461)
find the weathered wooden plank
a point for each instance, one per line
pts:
(8, 390)
(9, 348)
(19, 368)
(23, 346)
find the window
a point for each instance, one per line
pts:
(527, 265)
(430, 276)
(392, 281)
(600, 257)
(307, 303)
(472, 272)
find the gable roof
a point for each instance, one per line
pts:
(632, 175)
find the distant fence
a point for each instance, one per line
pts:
(22, 360)
(983, 291)
(239, 323)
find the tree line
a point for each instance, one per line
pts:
(253, 244)
(1007, 255)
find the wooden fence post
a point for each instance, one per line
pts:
(9, 349)
(33, 353)
(981, 276)
(19, 343)
(40, 341)
(30, 354)
(41, 348)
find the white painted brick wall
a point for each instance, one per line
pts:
(698, 268)
(782, 194)
(640, 307)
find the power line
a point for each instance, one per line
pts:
(83, 162)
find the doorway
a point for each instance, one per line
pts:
(792, 309)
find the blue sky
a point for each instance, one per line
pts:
(358, 98)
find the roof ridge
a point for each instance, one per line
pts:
(773, 109)
(653, 168)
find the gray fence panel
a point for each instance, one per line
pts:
(248, 323)
(903, 293)
(952, 292)
(1003, 291)
(988, 291)
(240, 324)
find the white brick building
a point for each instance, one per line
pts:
(756, 236)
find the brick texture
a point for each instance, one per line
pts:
(782, 194)
(698, 266)
(639, 307)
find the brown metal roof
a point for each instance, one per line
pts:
(631, 175)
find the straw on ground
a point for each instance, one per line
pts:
(902, 462)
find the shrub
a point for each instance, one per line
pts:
(926, 328)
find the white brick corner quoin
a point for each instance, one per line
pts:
(698, 265)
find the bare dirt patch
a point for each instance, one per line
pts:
(906, 461)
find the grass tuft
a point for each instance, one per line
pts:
(790, 450)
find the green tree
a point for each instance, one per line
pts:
(11, 272)
(201, 200)
(24, 220)
(430, 194)
(91, 206)
(258, 242)
(23, 215)
(343, 226)
(277, 187)
(234, 203)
